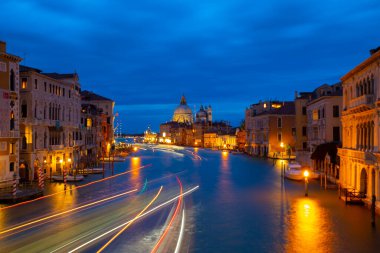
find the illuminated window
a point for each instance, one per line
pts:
(24, 83)
(277, 106)
(89, 122)
(12, 121)
(265, 105)
(11, 148)
(315, 114)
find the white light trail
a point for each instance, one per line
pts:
(178, 247)
(141, 216)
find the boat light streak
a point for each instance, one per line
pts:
(171, 220)
(65, 212)
(180, 237)
(130, 223)
(143, 215)
(75, 187)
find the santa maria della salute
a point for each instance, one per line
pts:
(184, 114)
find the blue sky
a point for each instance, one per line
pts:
(146, 54)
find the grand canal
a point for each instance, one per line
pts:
(171, 199)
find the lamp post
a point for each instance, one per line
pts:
(306, 175)
(282, 146)
(70, 169)
(64, 174)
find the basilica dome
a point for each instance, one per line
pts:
(183, 113)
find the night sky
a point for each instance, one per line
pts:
(230, 54)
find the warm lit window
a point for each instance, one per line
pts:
(277, 106)
(265, 105)
(11, 148)
(24, 83)
(315, 114)
(89, 122)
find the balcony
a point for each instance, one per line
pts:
(56, 147)
(10, 134)
(362, 103)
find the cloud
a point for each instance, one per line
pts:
(144, 54)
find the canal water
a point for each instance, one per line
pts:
(243, 205)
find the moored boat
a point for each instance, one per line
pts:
(294, 172)
(69, 178)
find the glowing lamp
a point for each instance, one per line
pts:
(306, 173)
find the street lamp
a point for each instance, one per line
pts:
(306, 175)
(282, 146)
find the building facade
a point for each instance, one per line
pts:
(359, 155)
(106, 108)
(50, 135)
(270, 127)
(9, 116)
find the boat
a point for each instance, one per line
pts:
(69, 178)
(113, 159)
(93, 171)
(294, 172)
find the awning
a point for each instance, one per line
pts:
(320, 152)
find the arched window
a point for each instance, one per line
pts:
(35, 109)
(45, 111)
(45, 138)
(12, 81)
(24, 109)
(50, 111)
(35, 140)
(12, 121)
(23, 146)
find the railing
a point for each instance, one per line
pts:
(352, 196)
(368, 99)
(10, 134)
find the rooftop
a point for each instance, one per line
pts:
(90, 96)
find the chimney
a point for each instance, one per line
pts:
(3, 46)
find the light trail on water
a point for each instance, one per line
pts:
(64, 212)
(122, 225)
(171, 220)
(129, 224)
(75, 187)
(180, 237)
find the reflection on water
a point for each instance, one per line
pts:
(135, 170)
(309, 228)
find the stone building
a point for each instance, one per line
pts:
(91, 130)
(359, 155)
(106, 109)
(183, 113)
(49, 122)
(270, 127)
(9, 116)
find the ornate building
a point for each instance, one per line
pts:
(359, 156)
(204, 115)
(183, 113)
(9, 116)
(49, 122)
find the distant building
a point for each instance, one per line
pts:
(91, 130)
(9, 116)
(270, 127)
(359, 156)
(204, 115)
(106, 108)
(183, 113)
(150, 136)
